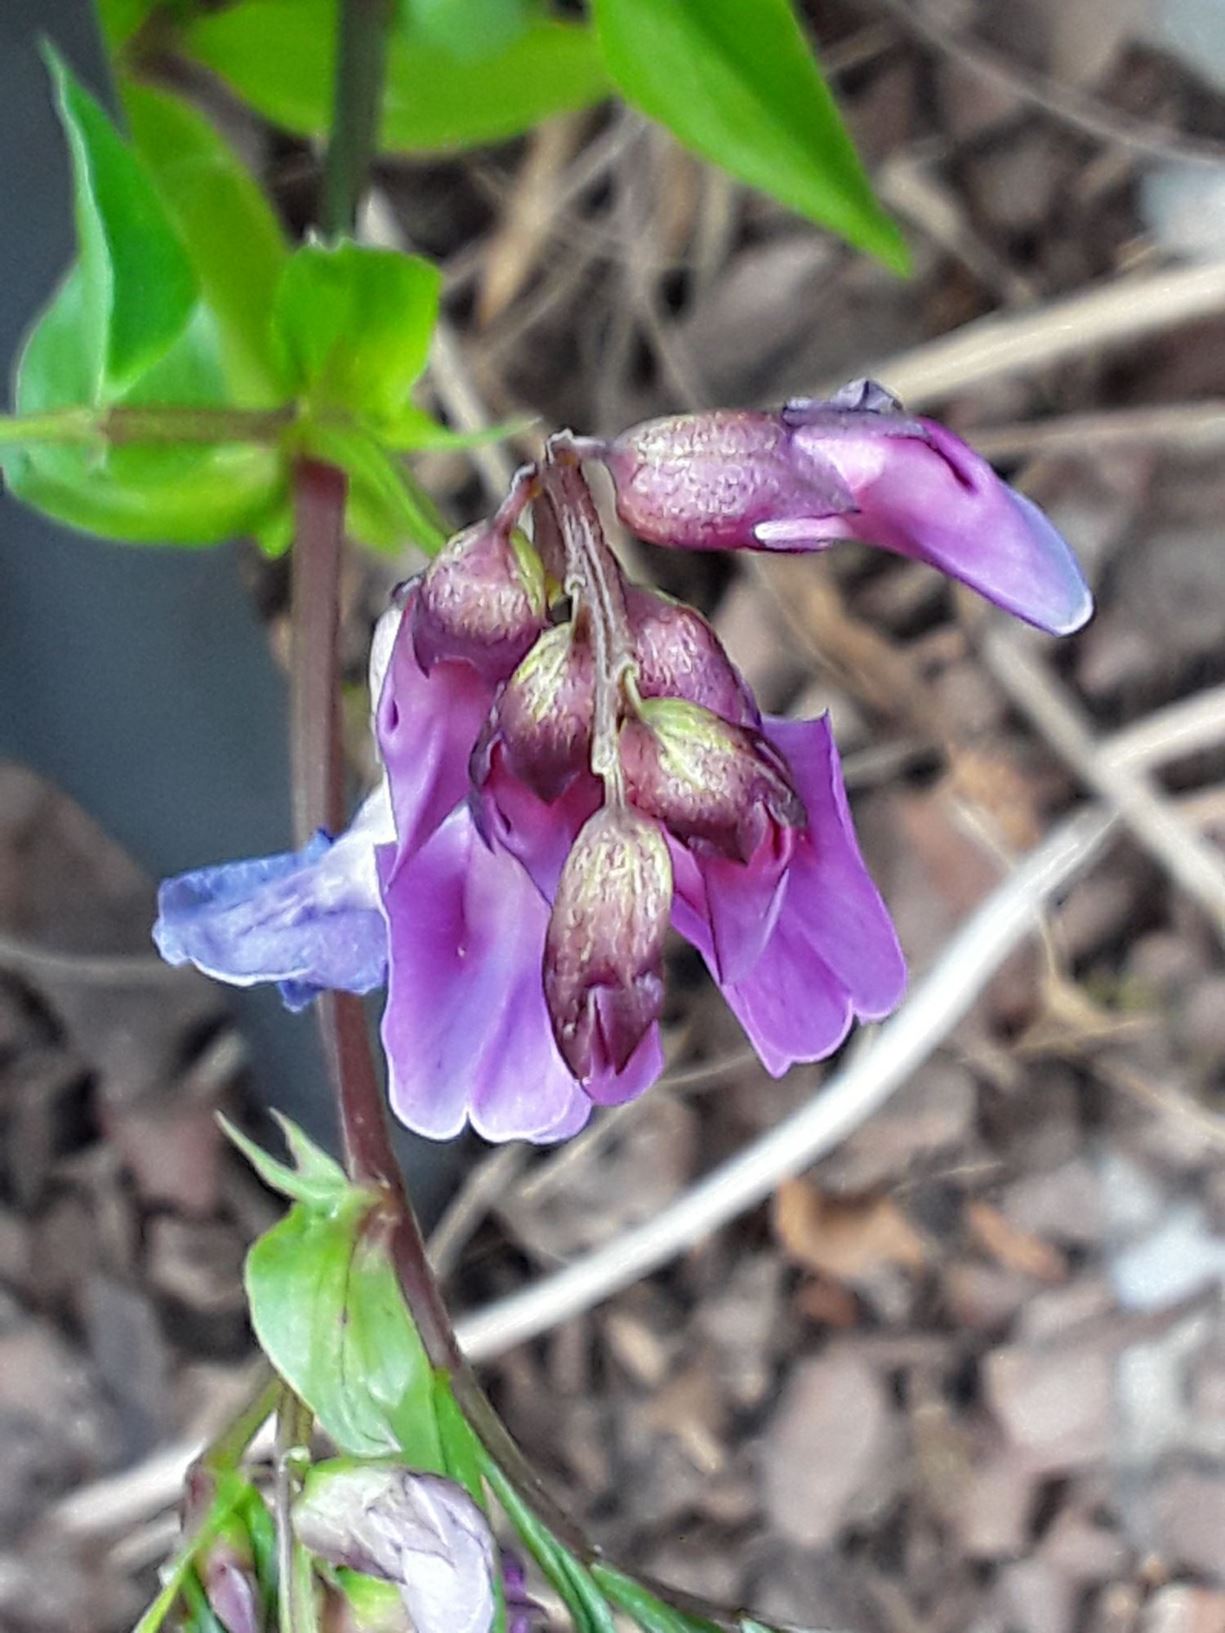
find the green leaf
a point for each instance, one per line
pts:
(145, 494)
(467, 29)
(138, 286)
(735, 81)
(278, 55)
(353, 326)
(461, 1449)
(412, 428)
(329, 1315)
(120, 19)
(229, 231)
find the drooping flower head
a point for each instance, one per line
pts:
(573, 765)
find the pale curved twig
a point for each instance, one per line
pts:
(1109, 313)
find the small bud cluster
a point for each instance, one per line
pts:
(622, 704)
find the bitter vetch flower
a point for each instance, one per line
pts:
(573, 764)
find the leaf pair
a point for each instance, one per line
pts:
(732, 79)
(184, 296)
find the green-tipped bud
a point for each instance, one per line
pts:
(603, 959)
(706, 780)
(481, 600)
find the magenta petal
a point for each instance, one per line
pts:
(466, 1030)
(426, 726)
(831, 898)
(931, 497)
(743, 901)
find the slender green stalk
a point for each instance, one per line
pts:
(361, 61)
(153, 424)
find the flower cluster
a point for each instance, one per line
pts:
(573, 765)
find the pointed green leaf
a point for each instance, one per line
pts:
(279, 56)
(353, 326)
(329, 1315)
(461, 1449)
(575, 1584)
(138, 285)
(412, 428)
(735, 81)
(227, 226)
(315, 1178)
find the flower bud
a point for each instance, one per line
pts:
(482, 600)
(543, 717)
(678, 654)
(419, 1531)
(227, 1575)
(705, 779)
(603, 957)
(705, 481)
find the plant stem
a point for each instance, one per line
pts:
(147, 424)
(361, 60)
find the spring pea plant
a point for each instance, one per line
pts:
(571, 765)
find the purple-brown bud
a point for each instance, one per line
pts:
(705, 779)
(603, 957)
(227, 1575)
(543, 717)
(704, 481)
(419, 1531)
(482, 599)
(678, 654)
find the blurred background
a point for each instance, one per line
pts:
(968, 1372)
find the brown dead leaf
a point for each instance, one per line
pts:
(1012, 1247)
(844, 1239)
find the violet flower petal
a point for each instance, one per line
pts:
(307, 919)
(931, 497)
(466, 1030)
(832, 954)
(830, 891)
(425, 726)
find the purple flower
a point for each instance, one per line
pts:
(854, 467)
(573, 766)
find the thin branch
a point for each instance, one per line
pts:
(1177, 425)
(1186, 856)
(1112, 313)
(361, 60)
